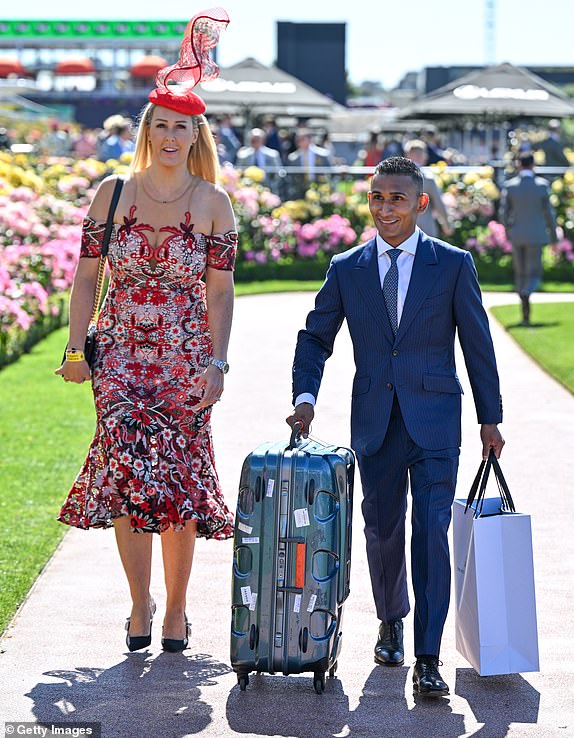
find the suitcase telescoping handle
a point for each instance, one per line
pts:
(295, 434)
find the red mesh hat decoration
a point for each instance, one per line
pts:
(193, 66)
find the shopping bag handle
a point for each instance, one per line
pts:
(478, 487)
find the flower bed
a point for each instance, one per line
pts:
(42, 204)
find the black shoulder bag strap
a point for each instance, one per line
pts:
(105, 245)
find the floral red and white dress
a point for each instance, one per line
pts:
(152, 457)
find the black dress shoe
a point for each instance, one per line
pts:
(136, 643)
(389, 650)
(175, 645)
(427, 682)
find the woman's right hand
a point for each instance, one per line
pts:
(75, 371)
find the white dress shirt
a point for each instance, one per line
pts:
(405, 266)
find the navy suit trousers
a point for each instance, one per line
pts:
(385, 476)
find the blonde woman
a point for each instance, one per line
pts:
(161, 353)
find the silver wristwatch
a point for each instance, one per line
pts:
(223, 366)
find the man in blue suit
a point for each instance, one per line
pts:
(404, 296)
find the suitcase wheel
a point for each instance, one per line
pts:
(319, 682)
(333, 669)
(243, 681)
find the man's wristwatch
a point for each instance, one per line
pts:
(223, 366)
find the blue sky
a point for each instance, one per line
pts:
(384, 39)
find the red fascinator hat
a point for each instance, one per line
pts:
(193, 66)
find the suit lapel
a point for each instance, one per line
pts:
(423, 276)
(366, 277)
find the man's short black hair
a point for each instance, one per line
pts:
(402, 166)
(526, 159)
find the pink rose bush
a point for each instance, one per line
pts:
(39, 244)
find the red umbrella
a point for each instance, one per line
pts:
(11, 66)
(148, 66)
(79, 65)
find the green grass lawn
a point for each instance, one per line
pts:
(549, 339)
(45, 429)
(276, 285)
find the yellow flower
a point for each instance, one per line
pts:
(127, 157)
(470, 178)
(255, 174)
(557, 185)
(312, 196)
(362, 210)
(539, 158)
(490, 190)
(568, 178)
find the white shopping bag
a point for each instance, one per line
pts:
(494, 583)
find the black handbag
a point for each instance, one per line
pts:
(90, 344)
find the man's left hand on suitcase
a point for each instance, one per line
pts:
(303, 413)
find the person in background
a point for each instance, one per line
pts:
(529, 219)
(57, 141)
(271, 134)
(431, 138)
(257, 154)
(5, 141)
(405, 297)
(552, 147)
(228, 137)
(161, 353)
(85, 144)
(392, 147)
(416, 150)
(373, 153)
(118, 142)
(308, 158)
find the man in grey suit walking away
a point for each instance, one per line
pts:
(404, 297)
(527, 214)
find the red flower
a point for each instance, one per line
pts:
(139, 297)
(158, 298)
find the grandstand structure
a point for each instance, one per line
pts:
(86, 69)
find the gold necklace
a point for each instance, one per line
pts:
(167, 201)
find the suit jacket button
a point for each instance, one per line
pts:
(395, 352)
(389, 386)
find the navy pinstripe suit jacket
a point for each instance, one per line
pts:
(419, 364)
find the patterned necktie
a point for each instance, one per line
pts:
(391, 289)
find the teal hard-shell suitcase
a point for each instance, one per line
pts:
(292, 559)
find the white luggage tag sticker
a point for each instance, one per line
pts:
(246, 595)
(245, 528)
(250, 540)
(270, 487)
(312, 601)
(297, 604)
(253, 601)
(301, 517)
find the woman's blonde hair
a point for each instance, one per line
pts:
(202, 159)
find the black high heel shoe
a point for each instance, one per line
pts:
(136, 643)
(174, 645)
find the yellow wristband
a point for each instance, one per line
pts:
(75, 356)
